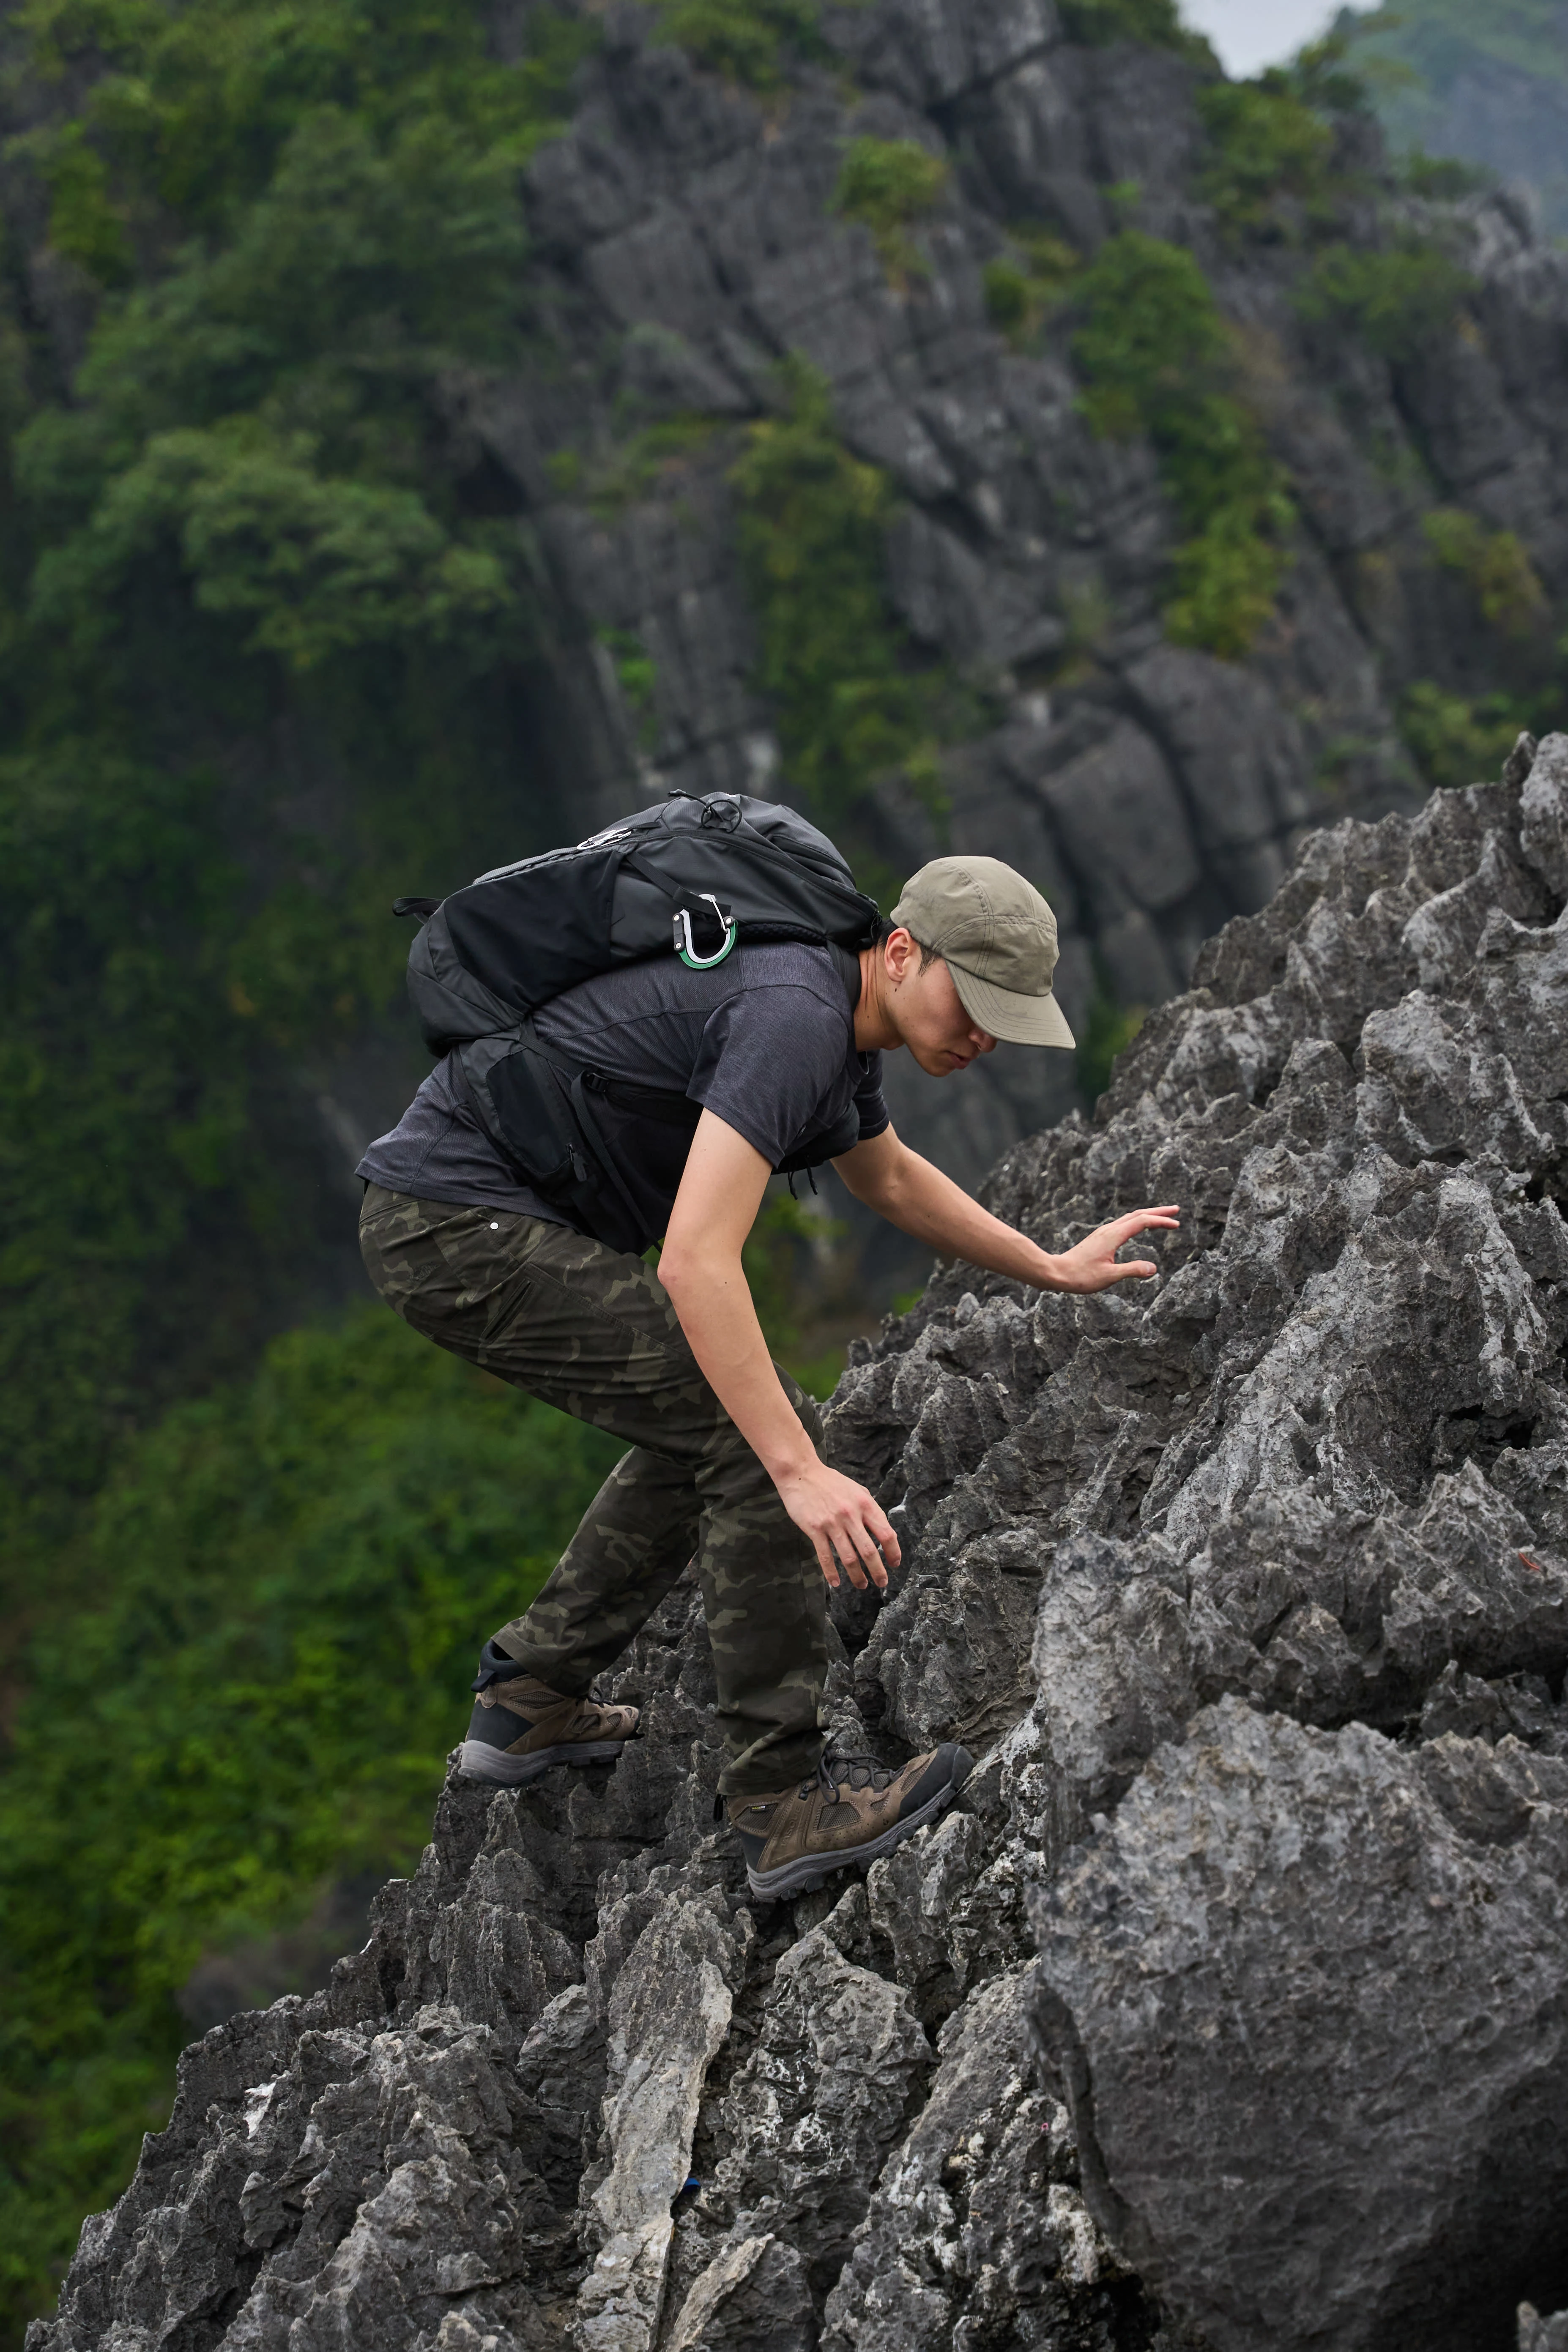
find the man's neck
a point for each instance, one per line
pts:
(873, 1030)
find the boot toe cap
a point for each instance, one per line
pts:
(947, 1767)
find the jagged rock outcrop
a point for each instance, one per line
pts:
(1230, 2007)
(1232, 1979)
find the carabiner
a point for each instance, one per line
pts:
(683, 946)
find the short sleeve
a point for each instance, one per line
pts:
(770, 1060)
(870, 1101)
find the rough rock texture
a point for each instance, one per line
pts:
(1234, 1970)
(1230, 2007)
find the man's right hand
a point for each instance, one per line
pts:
(840, 1518)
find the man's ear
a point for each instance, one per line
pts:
(898, 952)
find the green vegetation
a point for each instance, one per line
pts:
(1271, 169)
(834, 661)
(234, 531)
(1442, 179)
(1021, 294)
(608, 481)
(1323, 74)
(115, 959)
(1398, 301)
(242, 528)
(262, 648)
(1154, 356)
(258, 655)
(1495, 565)
(1154, 22)
(752, 42)
(1269, 154)
(637, 675)
(1008, 297)
(770, 1255)
(265, 635)
(1227, 576)
(1151, 336)
(1458, 739)
(888, 185)
(294, 1574)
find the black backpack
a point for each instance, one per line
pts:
(689, 878)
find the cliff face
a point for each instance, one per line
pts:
(689, 235)
(1229, 2004)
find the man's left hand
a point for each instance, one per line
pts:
(1093, 1265)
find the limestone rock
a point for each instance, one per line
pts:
(1308, 1990)
(978, 2227)
(669, 2015)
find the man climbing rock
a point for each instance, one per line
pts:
(778, 1046)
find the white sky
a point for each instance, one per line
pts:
(1248, 35)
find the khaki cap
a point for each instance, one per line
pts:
(998, 939)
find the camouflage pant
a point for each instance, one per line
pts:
(594, 1333)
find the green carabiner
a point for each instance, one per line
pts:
(683, 946)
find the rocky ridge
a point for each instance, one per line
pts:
(1230, 2005)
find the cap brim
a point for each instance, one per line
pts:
(1015, 1020)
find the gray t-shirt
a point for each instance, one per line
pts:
(766, 1042)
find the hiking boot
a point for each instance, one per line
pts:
(851, 1809)
(520, 1727)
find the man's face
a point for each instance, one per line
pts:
(925, 1009)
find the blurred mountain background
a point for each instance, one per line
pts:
(1487, 84)
(430, 430)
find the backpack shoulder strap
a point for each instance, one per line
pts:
(848, 972)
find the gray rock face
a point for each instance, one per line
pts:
(1230, 2006)
(1234, 1976)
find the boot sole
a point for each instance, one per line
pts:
(478, 1762)
(800, 1878)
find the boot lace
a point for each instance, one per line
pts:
(835, 1772)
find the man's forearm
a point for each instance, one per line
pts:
(719, 1194)
(920, 1201)
(708, 1291)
